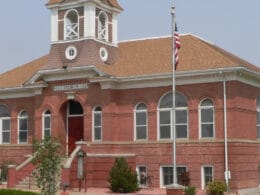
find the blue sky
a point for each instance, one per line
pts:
(231, 24)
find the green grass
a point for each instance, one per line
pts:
(16, 192)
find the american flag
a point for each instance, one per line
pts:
(177, 46)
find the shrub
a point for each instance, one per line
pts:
(122, 178)
(16, 192)
(190, 190)
(216, 187)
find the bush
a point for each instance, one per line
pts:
(16, 192)
(190, 190)
(216, 187)
(121, 178)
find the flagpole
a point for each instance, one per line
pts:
(173, 99)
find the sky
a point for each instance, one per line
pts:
(230, 24)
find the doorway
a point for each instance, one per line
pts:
(75, 125)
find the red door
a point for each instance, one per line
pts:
(75, 128)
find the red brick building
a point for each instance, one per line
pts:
(110, 99)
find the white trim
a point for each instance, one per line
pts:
(43, 122)
(54, 25)
(199, 110)
(89, 20)
(18, 134)
(203, 184)
(93, 124)
(115, 29)
(147, 122)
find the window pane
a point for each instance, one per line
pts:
(141, 132)
(6, 124)
(258, 102)
(181, 131)
(208, 174)
(207, 130)
(47, 122)
(165, 117)
(141, 118)
(97, 133)
(141, 107)
(258, 118)
(166, 102)
(165, 132)
(181, 116)
(207, 102)
(23, 136)
(167, 175)
(97, 119)
(207, 115)
(47, 133)
(6, 137)
(258, 132)
(180, 100)
(180, 171)
(23, 124)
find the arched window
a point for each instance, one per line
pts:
(258, 117)
(23, 127)
(97, 124)
(5, 125)
(207, 125)
(103, 26)
(46, 124)
(71, 26)
(140, 122)
(165, 116)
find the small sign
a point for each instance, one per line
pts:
(70, 87)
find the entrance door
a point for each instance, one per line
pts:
(75, 124)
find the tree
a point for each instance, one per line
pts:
(47, 162)
(122, 178)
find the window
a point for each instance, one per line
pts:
(141, 122)
(207, 175)
(167, 174)
(23, 127)
(165, 116)
(5, 125)
(71, 27)
(142, 176)
(258, 117)
(103, 26)
(46, 124)
(206, 119)
(97, 124)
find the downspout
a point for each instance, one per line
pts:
(227, 172)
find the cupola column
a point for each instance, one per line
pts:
(89, 20)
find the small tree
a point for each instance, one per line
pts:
(47, 161)
(122, 178)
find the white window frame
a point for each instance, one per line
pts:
(203, 180)
(138, 175)
(135, 121)
(257, 115)
(19, 118)
(101, 35)
(94, 112)
(67, 35)
(1, 126)
(200, 119)
(170, 110)
(44, 129)
(161, 173)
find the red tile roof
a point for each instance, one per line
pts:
(146, 57)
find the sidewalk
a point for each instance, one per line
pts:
(105, 191)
